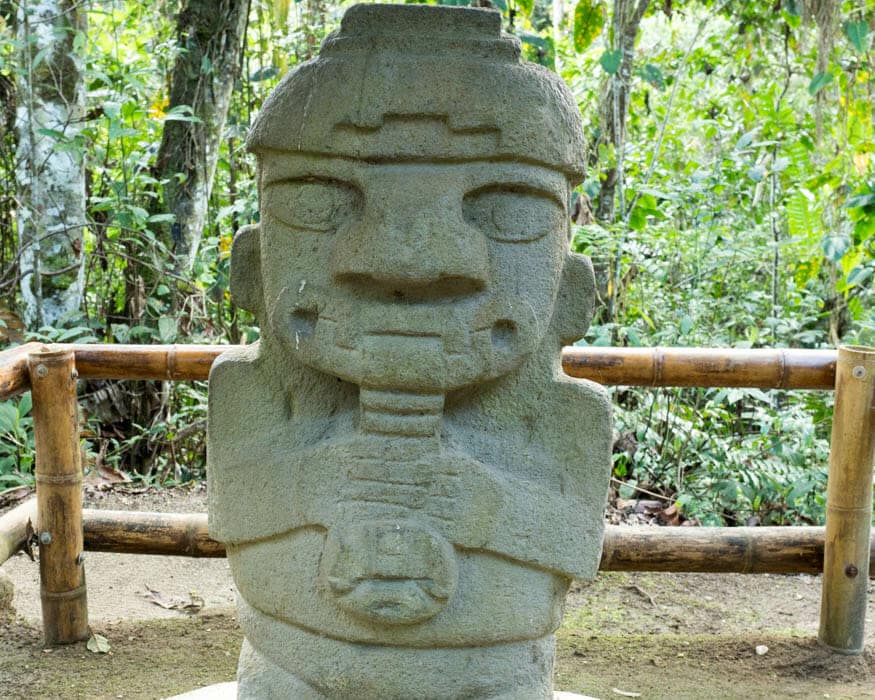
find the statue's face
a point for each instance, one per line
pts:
(410, 276)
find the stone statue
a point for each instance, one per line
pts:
(405, 480)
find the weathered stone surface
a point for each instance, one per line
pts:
(404, 478)
(228, 691)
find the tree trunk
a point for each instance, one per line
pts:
(51, 172)
(209, 33)
(613, 107)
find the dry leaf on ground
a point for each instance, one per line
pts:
(98, 644)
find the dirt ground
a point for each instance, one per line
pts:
(171, 627)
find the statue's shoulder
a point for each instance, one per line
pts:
(576, 413)
(239, 384)
(237, 361)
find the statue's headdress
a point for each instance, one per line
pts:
(415, 82)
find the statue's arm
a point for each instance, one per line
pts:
(553, 516)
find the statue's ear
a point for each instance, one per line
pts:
(576, 299)
(246, 289)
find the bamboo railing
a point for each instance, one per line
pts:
(844, 550)
(763, 369)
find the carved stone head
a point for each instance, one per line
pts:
(415, 183)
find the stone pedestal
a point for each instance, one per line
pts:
(228, 691)
(405, 480)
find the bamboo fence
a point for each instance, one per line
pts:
(844, 549)
(58, 477)
(849, 503)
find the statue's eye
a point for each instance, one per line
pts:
(311, 204)
(512, 214)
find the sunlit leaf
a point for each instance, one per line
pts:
(526, 6)
(858, 275)
(589, 18)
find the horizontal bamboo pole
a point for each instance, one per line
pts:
(701, 367)
(689, 367)
(849, 503)
(137, 532)
(161, 362)
(743, 550)
(58, 477)
(13, 370)
(776, 550)
(14, 527)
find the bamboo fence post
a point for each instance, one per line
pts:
(59, 496)
(849, 503)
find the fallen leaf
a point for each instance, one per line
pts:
(98, 644)
(190, 606)
(626, 693)
(670, 516)
(157, 598)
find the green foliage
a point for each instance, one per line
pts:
(16, 442)
(610, 61)
(751, 226)
(858, 34)
(589, 18)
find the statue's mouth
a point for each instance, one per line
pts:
(423, 339)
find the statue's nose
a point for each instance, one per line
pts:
(414, 255)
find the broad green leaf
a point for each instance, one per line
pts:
(858, 275)
(638, 219)
(161, 219)
(864, 229)
(8, 417)
(51, 133)
(589, 18)
(653, 75)
(533, 39)
(611, 61)
(756, 173)
(818, 82)
(858, 34)
(526, 6)
(140, 215)
(835, 246)
(859, 201)
(633, 337)
(802, 221)
(167, 329)
(745, 140)
(79, 332)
